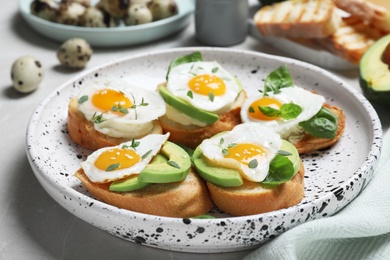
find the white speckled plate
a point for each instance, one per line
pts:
(334, 176)
(110, 37)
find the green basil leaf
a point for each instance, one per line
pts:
(277, 79)
(290, 111)
(281, 170)
(269, 111)
(323, 124)
(193, 57)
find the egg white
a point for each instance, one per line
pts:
(152, 142)
(243, 133)
(180, 75)
(309, 102)
(137, 122)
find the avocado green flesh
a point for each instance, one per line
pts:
(158, 170)
(294, 157)
(374, 76)
(162, 172)
(214, 174)
(229, 177)
(129, 184)
(186, 108)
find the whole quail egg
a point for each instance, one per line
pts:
(94, 17)
(26, 73)
(45, 9)
(163, 8)
(116, 8)
(74, 53)
(138, 14)
(69, 13)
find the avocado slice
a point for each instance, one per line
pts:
(374, 73)
(174, 168)
(218, 175)
(294, 157)
(186, 108)
(133, 183)
(229, 177)
(129, 184)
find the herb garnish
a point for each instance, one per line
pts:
(253, 164)
(82, 99)
(142, 104)
(146, 154)
(120, 108)
(211, 97)
(113, 167)
(173, 164)
(97, 119)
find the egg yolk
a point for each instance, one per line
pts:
(255, 113)
(206, 84)
(115, 159)
(246, 152)
(106, 99)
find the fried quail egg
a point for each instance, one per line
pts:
(121, 161)
(248, 148)
(205, 85)
(309, 102)
(118, 109)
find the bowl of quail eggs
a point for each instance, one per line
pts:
(107, 23)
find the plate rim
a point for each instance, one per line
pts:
(371, 159)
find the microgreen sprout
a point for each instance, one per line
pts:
(97, 119)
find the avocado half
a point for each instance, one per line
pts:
(374, 74)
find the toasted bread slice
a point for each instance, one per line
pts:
(185, 199)
(82, 131)
(369, 11)
(255, 198)
(191, 136)
(352, 39)
(298, 19)
(311, 143)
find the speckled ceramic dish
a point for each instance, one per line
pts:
(109, 37)
(334, 176)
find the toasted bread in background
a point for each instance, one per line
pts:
(254, 198)
(298, 19)
(373, 12)
(352, 39)
(184, 199)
